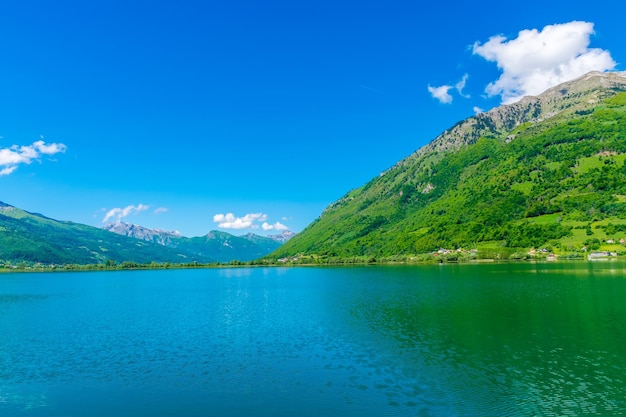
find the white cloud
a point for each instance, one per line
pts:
(276, 226)
(461, 85)
(111, 213)
(477, 110)
(13, 156)
(229, 221)
(249, 221)
(49, 149)
(119, 213)
(8, 170)
(160, 210)
(537, 60)
(441, 93)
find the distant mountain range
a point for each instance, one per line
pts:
(34, 238)
(162, 237)
(545, 172)
(216, 245)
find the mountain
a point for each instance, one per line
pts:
(162, 237)
(547, 171)
(282, 237)
(218, 246)
(31, 237)
(225, 247)
(268, 243)
(34, 238)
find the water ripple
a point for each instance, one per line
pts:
(349, 342)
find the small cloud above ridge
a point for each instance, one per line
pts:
(442, 93)
(119, 213)
(276, 226)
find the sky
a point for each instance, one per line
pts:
(253, 116)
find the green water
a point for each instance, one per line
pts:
(455, 340)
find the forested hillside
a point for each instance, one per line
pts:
(546, 172)
(33, 238)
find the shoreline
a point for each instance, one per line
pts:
(348, 262)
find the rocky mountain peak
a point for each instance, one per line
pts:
(521, 175)
(162, 237)
(576, 95)
(282, 237)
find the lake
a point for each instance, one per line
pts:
(518, 339)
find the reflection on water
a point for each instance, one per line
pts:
(457, 340)
(509, 345)
(234, 272)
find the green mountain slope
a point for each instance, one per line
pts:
(224, 247)
(217, 246)
(32, 237)
(546, 171)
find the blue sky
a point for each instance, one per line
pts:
(254, 116)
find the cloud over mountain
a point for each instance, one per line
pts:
(249, 221)
(442, 93)
(119, 213)
(276, 226)
(230, 221)
(539, 59)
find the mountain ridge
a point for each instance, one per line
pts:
(584, 91)
(162, 237)
(221, 246)
(491, 179)
(35, 238)
(150, 234)
(32, 237)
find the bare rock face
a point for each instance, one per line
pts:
(162, 237)
(216, 245)
(576, 95)
(572, 96)
(283, 237)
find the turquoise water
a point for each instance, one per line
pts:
(454, 340)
